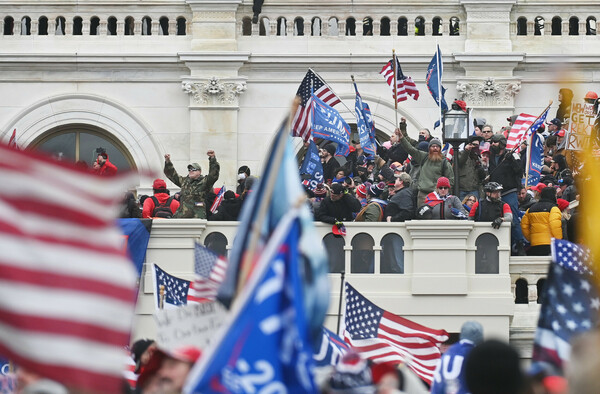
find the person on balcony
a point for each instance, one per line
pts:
(444, 205)
(161, 204)
(194, 187)
(373, 211)
(470, 169)
(330, 163)
(542, 222)
(339, 206)
(401, 206)
(491, 208)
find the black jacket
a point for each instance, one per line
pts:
(506, 170)
(338, 211)
(401, 206)
(329, 169)
(229, 210)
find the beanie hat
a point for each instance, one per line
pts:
(461, 104)
(376, 189)
(472, 331)
(361, 190)
(159, 184)
(435, 141)
(387, 173)
(548, 193)
(337, 188)
(320, 190)
(443, 181)
(330, 148)
(562, 204)
(423, 146)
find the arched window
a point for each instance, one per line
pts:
(163, 28)
(9, 26)
(351, 26)
(77, 26)
(129, 28)
(522, 26)
(94, 25)
(574, 26)
(60, 26)
(299, 26)
(25, 26)
(43, 26)
(111, 26)
(362, 256)
(385, 26)
(419, 26)
(487, 259)
(281, 26)
(556, 26)
(79, 143)
(541, 283)
(334, 245)
(247, 26)
(402, 26)
(217, 243)
(590, 26)
(146, 26)
(436, 24)
(538, 26)
(181, 26)
(316, 27)
(368, 26)
(334, 30)
(521, 292)
(392, 254)
(454, 26)
(264, 27)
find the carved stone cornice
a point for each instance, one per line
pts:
(215, 92)
(485, 93)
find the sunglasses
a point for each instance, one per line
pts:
(487, 131)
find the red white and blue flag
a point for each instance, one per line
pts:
(67, 288)
(381, 336)
(210, 271)
(218, 199)
(405, 86)
(525, 125)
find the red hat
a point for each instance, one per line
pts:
(562, 204)
(461, 104)
(361, 190)
(443, 181)
(189, 354)
(561, 133)
(159, 184)
(539, 187)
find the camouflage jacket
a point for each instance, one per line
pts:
(193, 191)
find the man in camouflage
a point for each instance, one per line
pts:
(194, 187)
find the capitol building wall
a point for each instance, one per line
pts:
(145, 78)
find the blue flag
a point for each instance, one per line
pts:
(137, 235)
(330, 350)
(175, 289)
(328, 124)
(365, 125)
(265, 346)
(535, 160)
(312, 166)
(284, 174)
(434, 82)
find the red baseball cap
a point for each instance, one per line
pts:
(189, 354)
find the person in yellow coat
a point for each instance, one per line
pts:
(541, 223)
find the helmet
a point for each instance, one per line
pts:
(492, 187)
(591, 95)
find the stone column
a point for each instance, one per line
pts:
(488, 25)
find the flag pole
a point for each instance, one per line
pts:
(439, 79)
(532, 123)
(395, 87)
(343, 273)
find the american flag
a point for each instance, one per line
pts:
(210, 271)
(384, 337)
(448, 151)
(405, 86)
(570, 303)
(175, 289)
(517, 132)
(302, 119)
(218, 200)
(67, 289)
(128, 372)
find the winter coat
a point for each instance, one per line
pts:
(430, 170)
(372, 212)
(542, 222)
(149, 205)
(401, 206)
(329, 169)
(442, 208)
(193, 191)
(107, 168)
(506, 170)
(229, 210)
(471, 172)
(338, 211)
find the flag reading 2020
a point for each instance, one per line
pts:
(328, 124)
(312, 166)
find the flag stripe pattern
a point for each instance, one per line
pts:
(67, 290)
(405, 86)
(210, 271)
(519, 131)
(570, 303)
(218, 199)
(384, 337)
(301, 124)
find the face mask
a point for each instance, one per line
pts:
(421, 138)
(241, 176)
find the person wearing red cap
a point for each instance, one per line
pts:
(361, 193)
(166, 372)
(373, 211)
(443, 204)
(160, 205)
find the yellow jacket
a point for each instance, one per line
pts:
(541, 223)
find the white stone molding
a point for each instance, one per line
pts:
(215, 91)
(488, 92)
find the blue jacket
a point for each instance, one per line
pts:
(449, 375)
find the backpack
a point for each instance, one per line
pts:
(162, 210)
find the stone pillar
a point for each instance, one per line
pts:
(213, 24)
(85, 27)
(488, 25)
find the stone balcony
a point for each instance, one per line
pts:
(438, 273)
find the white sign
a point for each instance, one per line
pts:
(582, 118)
(193, 324)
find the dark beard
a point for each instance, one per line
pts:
(495, 149)
(436, 156)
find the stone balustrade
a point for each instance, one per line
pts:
(439, 273)
(550, 24)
